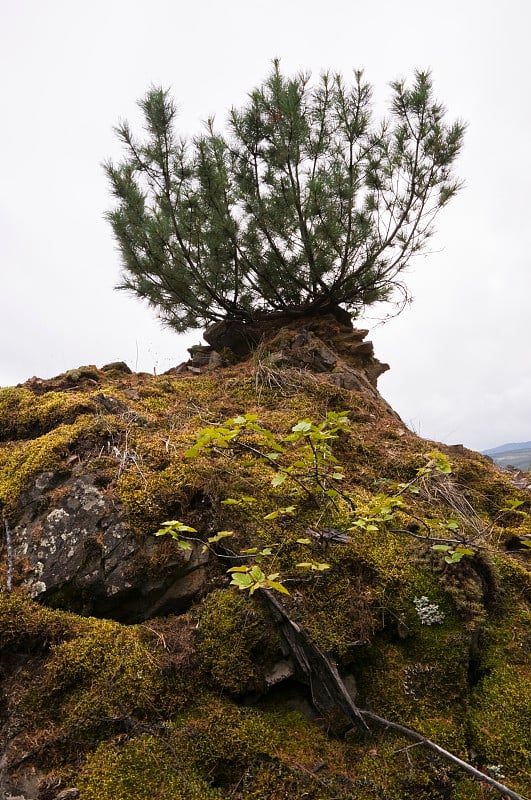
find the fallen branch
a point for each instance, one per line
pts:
(328, 690)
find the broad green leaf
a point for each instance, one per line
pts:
(440, 461)
(174, 526)
(192, 452)
(287, 511)
(278, 479)
(443, 548)
(184, 545)
(257, 574)
(454, 558)
(304, 541)
(220, 535)
(303, 426)
(452, 525)
(278, 587)
(242, 581)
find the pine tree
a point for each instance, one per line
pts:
(303, 204)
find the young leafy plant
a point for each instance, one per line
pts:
(302, 458)
(251, 577)
(175, 529)
(302, 461)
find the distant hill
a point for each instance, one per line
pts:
(514, 454)
(504, 448)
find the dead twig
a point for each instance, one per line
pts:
(9, 552)
(419, 739)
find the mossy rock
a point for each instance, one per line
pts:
(181, 706)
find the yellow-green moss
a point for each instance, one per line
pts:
(108, 671)
(501, 722)
(421, 682)
(23, 460)
(500, 704)
(393, 769)
(244, 752)
(25, 415)
(26, 625)
(487, 487)
(235, 638)
(142, 770)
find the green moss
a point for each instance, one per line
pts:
(218, 740)
(501, 721)
(25, 415)
(142, 770)
(121, 697)
(243, 752)
(106, 672)
(21, 461)
(149, 497)
(488, 489)
(500, 704)
(25, 625)
(393, 769)
(421, 683)
(236, 639)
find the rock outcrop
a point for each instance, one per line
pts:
(74, 550)
(320, 345)
(132, 670)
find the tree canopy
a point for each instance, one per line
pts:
(303, 202)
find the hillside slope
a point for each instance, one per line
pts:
(132, 670)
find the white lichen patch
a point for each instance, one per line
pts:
(38, 587)
(429, 613)
(56, 515)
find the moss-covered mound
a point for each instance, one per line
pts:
(207, 701)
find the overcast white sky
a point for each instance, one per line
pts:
(460, 363)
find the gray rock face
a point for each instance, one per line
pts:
(72, 550)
